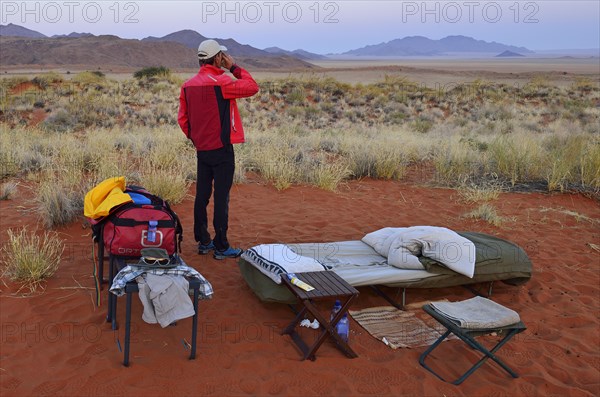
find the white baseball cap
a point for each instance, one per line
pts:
(209, 48)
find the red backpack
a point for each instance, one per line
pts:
(131, 227)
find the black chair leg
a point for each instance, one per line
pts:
(429, 350)
(112, 299)
(100, 262)
(477, 346)
(194, 324)
(127, 330)
(109, 314)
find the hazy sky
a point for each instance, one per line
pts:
(321, 26)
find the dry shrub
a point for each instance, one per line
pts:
(328, 175)
(589, 168)
(454, 160)
(276, 162)
(389, 164)
(280, 171)
(89, 78)
(379, 159)
(169, 184)
(518, 157)
(8, 190)
(241, 165)
(30, 258)
(486, 212)
(57, 205)
(473, 193)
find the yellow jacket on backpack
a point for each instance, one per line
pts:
(106, 195)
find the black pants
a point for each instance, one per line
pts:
(215, 166)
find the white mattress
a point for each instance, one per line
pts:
(357, 263)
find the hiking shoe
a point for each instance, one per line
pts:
(228, 253)
(204, 249)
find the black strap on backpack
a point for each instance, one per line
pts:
(178, 226)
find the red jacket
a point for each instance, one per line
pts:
(208, 113)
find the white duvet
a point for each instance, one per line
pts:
(402, 246)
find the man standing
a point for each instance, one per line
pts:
(209, 117)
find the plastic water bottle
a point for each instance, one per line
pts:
(336, 308)
(343, 328)
(152, 231)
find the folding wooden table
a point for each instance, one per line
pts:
(328, 286)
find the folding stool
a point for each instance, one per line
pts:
(468, 336)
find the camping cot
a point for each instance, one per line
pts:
(359, 264)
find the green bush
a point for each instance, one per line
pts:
(89, 78)
(152, 71)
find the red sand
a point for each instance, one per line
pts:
(59, 343)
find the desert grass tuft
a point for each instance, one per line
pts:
(241, 165)
(170, 184)
(486, 212)
(377, 159)
(30, 258)
(56, 205)
(8, 190)
(277, 162)
(281, 172)
(454, 160)
(578, 217)
(390, 165)
(328, 175)
(588, 164)
(473, 193)
(516, 156)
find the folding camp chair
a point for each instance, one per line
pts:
(115, 264)
(132, 287)
(468, 336)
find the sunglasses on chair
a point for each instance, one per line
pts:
(152, 261)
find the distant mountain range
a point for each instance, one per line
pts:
(103, 52)
(419, 46)
(188, 38)
(296, 53)
(192, 39)
(23, 46)
(72, 35)
(509, 54)
(20, 31)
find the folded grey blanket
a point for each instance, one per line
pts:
(477, 313)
